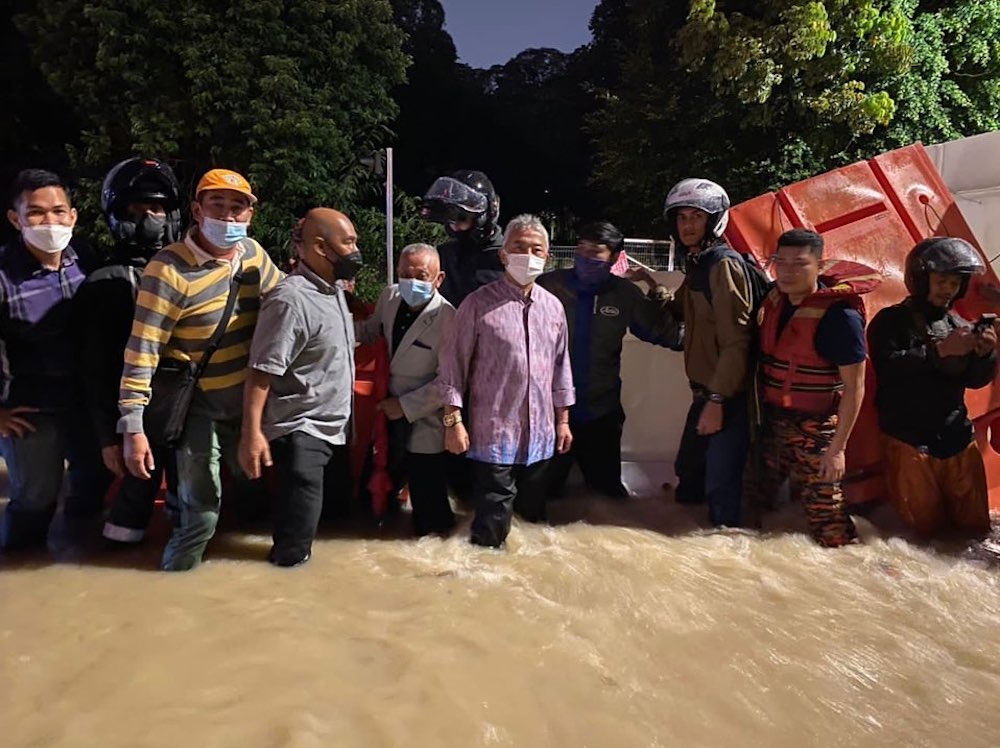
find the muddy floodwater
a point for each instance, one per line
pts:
(623, 624)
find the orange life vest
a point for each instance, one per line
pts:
(794, 376)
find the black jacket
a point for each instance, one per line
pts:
(920, 397)
(105, 308)
(598, 319)
(468, 266)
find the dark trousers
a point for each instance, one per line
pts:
(428, 480)
(597, 449)
(132, 506)
(710, 468)
(35, 468)
(461, 473)
(302, 463)
(499, 491)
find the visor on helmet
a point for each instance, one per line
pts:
(450, 200)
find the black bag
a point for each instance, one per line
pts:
(757, 279)
(174, 382)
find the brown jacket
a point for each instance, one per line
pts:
(717, 333)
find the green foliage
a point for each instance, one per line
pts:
(289, 92)
(759, 94)
(408, 228)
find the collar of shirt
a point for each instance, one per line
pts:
(202, 258)
(306, 272)
(514, 291)
(26, 264)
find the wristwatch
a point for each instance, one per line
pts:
(450, 419)
(714, 397)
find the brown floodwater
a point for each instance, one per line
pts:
(623, 624)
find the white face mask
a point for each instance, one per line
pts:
(51, 238)
(524, 268)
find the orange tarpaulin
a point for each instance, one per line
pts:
(371, 385)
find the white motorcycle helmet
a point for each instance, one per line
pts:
(702, 194)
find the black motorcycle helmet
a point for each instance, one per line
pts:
(941, 255)
(465, 194)
(140, 180)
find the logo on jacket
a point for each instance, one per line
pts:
(610, 311)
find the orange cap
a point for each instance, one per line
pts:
(224, 179)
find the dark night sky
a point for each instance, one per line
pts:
(490, 32)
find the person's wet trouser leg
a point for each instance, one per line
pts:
(132, 506)
(338, 485)
(35, 466)
(461, 476)
(725, 460)
(301, 461)
(766, 471)
(966, 493)
(689, 465)
(429, 493)
(806, 439)
(937, 496)
(502, 489)
(532, 486)
(199, 487)
(89, 479)
(597, 445)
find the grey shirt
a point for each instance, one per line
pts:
(305, 341)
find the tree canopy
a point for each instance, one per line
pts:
(758, 94)
(289, 93)
(751, 93)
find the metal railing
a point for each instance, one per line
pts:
(651, 254)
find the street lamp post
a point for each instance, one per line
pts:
(388, 217)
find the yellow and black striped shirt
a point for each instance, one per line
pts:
(181, 300)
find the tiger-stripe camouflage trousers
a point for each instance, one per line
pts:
(791, 446)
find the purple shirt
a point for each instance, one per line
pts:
(38, 344)
(508, 351)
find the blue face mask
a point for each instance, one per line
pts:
(415, 293)
(223, 234)
(591, 272)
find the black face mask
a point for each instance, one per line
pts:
(347, 266)
(149, 231)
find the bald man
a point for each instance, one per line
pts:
(413, 317)
(297, 398)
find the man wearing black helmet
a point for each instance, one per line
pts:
(715, 302)
(140, 200)
(469, 208)
(926, 355)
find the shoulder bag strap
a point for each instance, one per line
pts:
(220, 329)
